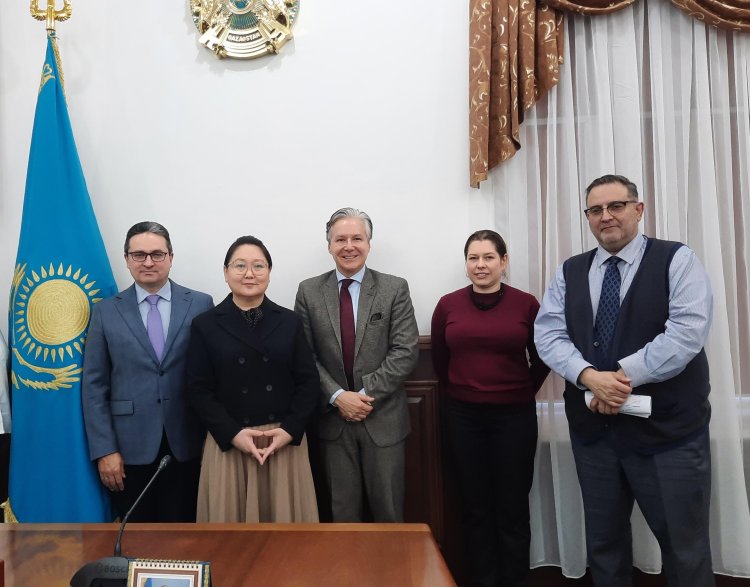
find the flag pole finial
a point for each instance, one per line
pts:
(51, 14)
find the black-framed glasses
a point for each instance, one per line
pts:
(613, 208)
(241, 267)
(140, 256)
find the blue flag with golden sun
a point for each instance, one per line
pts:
(61, 271)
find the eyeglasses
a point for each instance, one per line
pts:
(240, 267)
(140, 256)
(612, 208)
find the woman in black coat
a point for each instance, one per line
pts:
(253, 381)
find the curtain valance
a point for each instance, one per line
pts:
(515, 51)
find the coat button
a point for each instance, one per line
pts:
(269, 387)
(244, 390)
(271, 417)
(161, 373)
(246, 420)
(241, 360)
(596, 344)
(266, 359)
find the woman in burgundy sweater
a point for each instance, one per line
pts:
(489, 371)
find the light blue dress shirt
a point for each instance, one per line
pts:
(5, 425)
(164, 305)
(690, 313)
(354, 289)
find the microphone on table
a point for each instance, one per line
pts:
(112, 571)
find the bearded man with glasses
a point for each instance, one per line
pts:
(133, 385)
(625, 325)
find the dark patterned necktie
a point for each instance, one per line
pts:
(346, 319)
(609, 305)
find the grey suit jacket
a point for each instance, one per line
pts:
(385, 350)
(128, 396)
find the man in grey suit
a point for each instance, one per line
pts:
(133, 385)
(361, 326)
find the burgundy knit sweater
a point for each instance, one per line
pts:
(487, 356)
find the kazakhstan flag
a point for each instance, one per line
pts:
(61, 271)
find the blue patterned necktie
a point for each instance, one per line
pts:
(609, 305)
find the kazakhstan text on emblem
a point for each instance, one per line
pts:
(51, 308)
(244, 29)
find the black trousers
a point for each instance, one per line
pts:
(492, 451)
(172, 497)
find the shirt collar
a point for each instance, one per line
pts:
(165, 292)
(628, 253)
(358, 276)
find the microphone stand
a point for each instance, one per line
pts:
(112, 571)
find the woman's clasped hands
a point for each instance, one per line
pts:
(261, 444)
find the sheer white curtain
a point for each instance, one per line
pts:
(659, 97)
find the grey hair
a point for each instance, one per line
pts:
(148, 226)
(349, 213)
(607, 179)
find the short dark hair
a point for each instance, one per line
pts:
(349, 213)
(148, 226)
(247, 240)
(606, 179)
(486, 235)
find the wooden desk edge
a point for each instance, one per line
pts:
(214, 527)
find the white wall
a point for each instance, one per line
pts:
(366, 107)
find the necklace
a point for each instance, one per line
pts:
(478, 299)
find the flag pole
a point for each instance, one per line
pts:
(55, 286)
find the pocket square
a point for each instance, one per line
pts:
(376, 317)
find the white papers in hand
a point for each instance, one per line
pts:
(635, 405)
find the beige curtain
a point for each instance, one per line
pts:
(515, 50)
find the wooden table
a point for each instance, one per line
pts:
(265, 555)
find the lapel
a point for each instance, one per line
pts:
(366, 296)
(127, 305)
(230, 320)
(331, 297)
(181, 300)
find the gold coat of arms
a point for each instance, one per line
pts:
(244, 29)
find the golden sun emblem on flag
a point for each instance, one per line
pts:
(51, 310)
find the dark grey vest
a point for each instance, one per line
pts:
(680, 405)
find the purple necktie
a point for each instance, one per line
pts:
(346, 319)
(154, 326)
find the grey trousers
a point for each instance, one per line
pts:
(672, 489)
(357, 469)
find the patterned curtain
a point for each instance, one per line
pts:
(732, 15)
(514, 59)
(515, 52)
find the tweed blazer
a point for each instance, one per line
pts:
(385, 352)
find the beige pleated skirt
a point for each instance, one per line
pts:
(233, 487)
